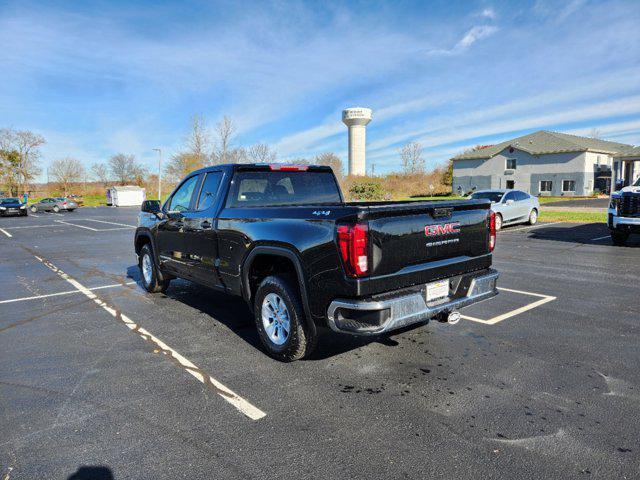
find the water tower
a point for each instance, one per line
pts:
(357, 120)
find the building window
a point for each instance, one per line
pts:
(546, 186)
(511, 184)
(568, 185)
(511, 163)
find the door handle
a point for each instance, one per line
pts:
(206, 224)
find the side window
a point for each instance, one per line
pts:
(520, 196)
(511, 164)
(510, 196)
(182, 198)
(209, 190)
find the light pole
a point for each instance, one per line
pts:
(159, 173)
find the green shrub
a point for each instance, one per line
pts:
(366, 191)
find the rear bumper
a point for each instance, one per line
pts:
(372, 317)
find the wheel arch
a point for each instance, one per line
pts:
(281, 253)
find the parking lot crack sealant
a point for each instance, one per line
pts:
(228, 395)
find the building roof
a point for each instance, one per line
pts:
(543, 141)
(631, 152)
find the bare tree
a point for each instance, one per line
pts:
(181, 164)
(224, 132)
(27, 144)
(330, 159)
(198, 144)
(411, 157)
(66, 171)
(595, 133)
(125, 169)
(237, 155)
(261, 153)
(100, 172)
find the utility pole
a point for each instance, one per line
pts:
(373, 169)
(159, 173)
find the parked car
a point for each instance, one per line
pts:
(511, 206)
(53, 204)
(12, 206)
(283, 238)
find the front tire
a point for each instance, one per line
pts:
(533, 217)
(149, 272)
(280, 320)
(619, 238)
(498, 222)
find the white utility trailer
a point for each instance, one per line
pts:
(126, 196)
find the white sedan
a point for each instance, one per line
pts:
(511, 206)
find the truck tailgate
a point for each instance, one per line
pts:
(417, 242)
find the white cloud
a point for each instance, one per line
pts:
(476, 33)
(489, 13)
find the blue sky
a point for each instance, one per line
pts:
(98, 78)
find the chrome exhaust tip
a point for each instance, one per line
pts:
(453, 318)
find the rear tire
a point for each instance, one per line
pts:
(533, 217)
(149, 272)
(619, 238)
(498, 222)
(278, 306)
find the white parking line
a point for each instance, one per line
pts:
(32, 226)
(234, 399)
(600, 238)
(74, 225)
(92, 229)
(5, 232)
(492, 321)
(111, 223)
(68, 292)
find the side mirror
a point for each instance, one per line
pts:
(151, 206)
(509, 202)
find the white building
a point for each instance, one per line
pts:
(541, 163)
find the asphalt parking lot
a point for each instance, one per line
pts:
(99, 379)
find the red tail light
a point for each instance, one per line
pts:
(492, 230)
(353, 242)
(64, 203)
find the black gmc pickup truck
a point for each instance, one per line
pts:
(283, 238)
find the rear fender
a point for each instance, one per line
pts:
(247, 294)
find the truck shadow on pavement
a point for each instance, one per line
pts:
(584, 233)
(234, 313)
(91, 473)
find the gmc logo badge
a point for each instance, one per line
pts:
(442, 229)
